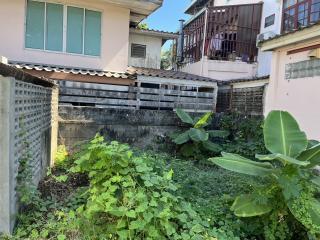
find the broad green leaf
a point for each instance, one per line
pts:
(182, 138)
(316, 181)
(218, 133)
(198, 135)
(203, 121)
(283, 135)
(312, 155)
(185, 117)
(210, 146)
(282, 158)
(246, 206)
(315, 212)
(312, 143)
(239, 164)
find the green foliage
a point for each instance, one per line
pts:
(128, 199)
(197, 140)
(167, 59)
(143, 26)
(246, 134)
(288, 173)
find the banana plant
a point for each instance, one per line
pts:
(197, 137)
(288, 171)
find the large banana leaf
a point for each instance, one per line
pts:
(316, 181)
(182, 138)
(282, 158)
(210, 146)
(314, 212)
(246, 206)
(240, 164)
(185, 117)
(312, 155)
(218, 133)
(203, 121)
(198, 135)
(312, 143)
(283, 135)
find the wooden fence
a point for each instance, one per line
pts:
(133, 97)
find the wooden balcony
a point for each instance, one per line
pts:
(299, 13)
(223, 33)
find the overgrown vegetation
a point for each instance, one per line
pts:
(288, 196)
(107, 190)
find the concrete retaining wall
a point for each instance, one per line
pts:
(141, 128)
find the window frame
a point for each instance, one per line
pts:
(65, 17)
(137, 44)
(273, 21)
(296, 19)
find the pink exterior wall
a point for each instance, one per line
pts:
(299, 96)
(115, 37)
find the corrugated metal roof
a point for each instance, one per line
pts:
(171, 35)
(131, 72)
(240, 80)
(10, 71)
(168, 74)
(82, 71)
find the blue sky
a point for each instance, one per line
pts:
(167, 17)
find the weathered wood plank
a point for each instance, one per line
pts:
(82, 85)
(176, 92)
(93, 100)
(176, 99)
(95, 93)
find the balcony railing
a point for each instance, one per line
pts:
(299, 13)
(231, 33)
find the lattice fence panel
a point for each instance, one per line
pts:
(32, 118)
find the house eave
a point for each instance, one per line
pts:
(139, 9)
(288, 39)
(155, 33)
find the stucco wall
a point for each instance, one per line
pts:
(222, 70)
(234, 2)
(153, 51)
(115, 35)
(299, 96)
(264, 58)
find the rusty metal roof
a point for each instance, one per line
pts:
(82, 71)
(150, 72)
(10, 71)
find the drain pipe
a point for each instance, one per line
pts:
(180, 43)
(204, 40)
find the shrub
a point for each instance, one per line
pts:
(196, 140)
(290, 190)
(246, 134)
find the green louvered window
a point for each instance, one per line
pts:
(75, 30)
(92, 36)
(35, 25)
(45, 28)
(54, 30)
